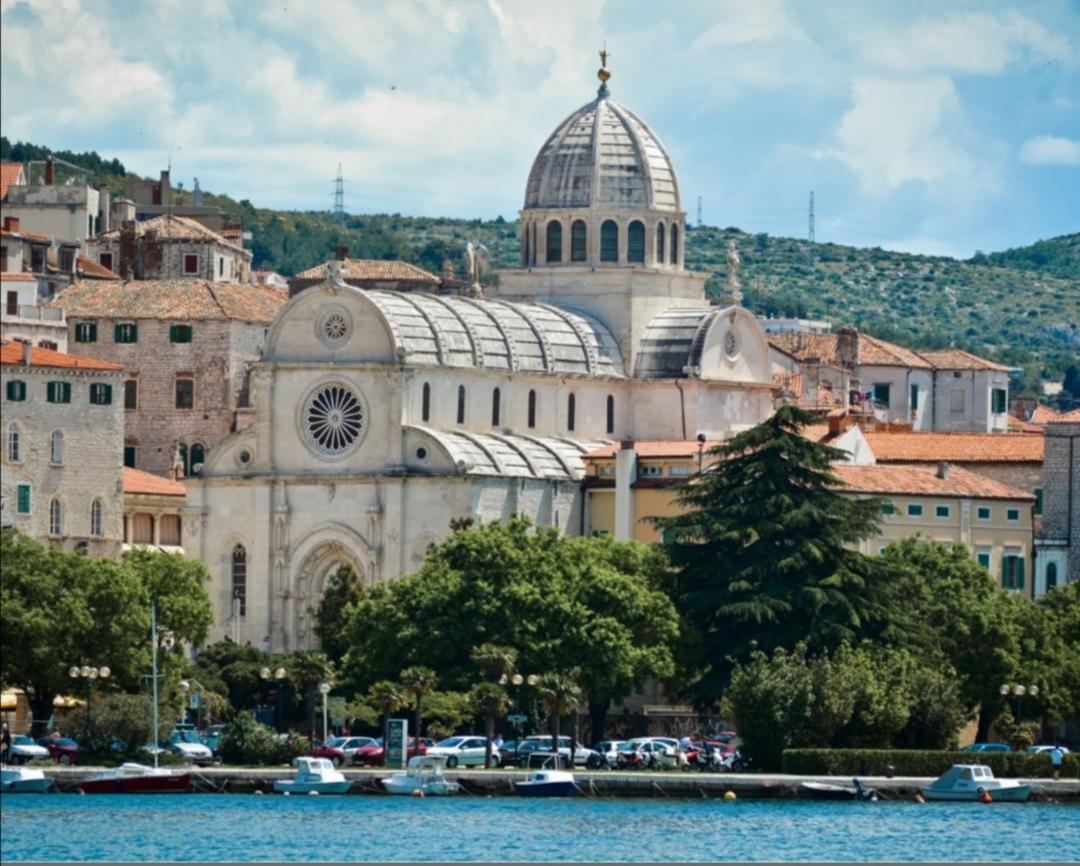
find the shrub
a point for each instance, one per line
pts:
(120, 728)
(916, 762)
(246, 741)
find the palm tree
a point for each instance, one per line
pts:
(308, 668)
(417, 683)
(561, 695)
(490, 701)
(387, 697)
(497, 662)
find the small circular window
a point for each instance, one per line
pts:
(332, 419)
(421, 453)
(731, 345)
(244, 457)
(334, 327)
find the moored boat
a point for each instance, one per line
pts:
(968, 782)
(547, 783)
(830, 791)
(422, 777)
(24, 780)
(314, 775)
(132, 778)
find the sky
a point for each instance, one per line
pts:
(931, 127)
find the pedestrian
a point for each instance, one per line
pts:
(498, 741)
(5, 744)
(1056, 757)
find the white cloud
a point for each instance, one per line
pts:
(1050, 150)
(742, 23)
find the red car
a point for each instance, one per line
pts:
(372, 754)
(61, 749)
(340, 750)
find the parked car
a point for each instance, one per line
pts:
(61, 749)
(211, 738)
(372, 755)
(185, 743)
(607, 755)
(987, 747)
(542, 743)
(466, 750)
(657, 753)
(1042, 750)
(340, 750)
(24, 749)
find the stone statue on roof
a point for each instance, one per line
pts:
(733, 264)
(474, 253)
(336, 275)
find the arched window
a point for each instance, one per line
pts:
(610, 414)
(56, 518)
(56, 448)
(13, 441)
(1051, 575)
(461, 404)
(554, 241)
(525, 246)
(579, 249)
(532, 228)
(239, 578)
(532, 409)
(425, 403)
(184, 459)
(609, 241)
(674, 244)
(95, 518)
(198, 458)
(571, 411)
(495, 408)
(659, 243)
(635, 242)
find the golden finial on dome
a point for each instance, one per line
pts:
(602, 73)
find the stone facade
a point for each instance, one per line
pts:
(62, 460)
(1058, 544)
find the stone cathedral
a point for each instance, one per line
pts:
(380, 415)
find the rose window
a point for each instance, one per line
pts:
(335, 327)
(333, 419)
(731, 344)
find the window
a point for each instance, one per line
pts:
(86, 332)
(888, 508)
(998, 400)
(221, 266)
(495, 408)
(571, 411)
(48, 344)
(105, 260)
(679, 471)
(652, 471)
(131, 394)
(1038, 500)
(180, 333)
(129, 455)
(942, 511)
(142, 529)
(198, 458)
(95, 518)
(607, 470)
(101, 394)
(24, 499)
(169, 529)
(881, 396)
(554, 241)
(982, 512)
(914, 405)
(425, 402)
(983, 558)
(674, 244)
(635, 242)
(532, 409)
(1051, 575)
(914, 510)
(16, 390)
(1012, 515)
(56, 448)
(525, 247)
(956, 401)
(185, 392)
(56, 518)
(239, 578)
(1012, 571)
(58, 392)
(126, 332)
(659, 243)
(579, 249)
(191, 263)
(14, 441)
(67, 261)
(461, 404)
(609, 241)
(610, 414)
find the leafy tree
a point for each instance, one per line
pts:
(489, 701)
(1071, 382)
(246, 741)
(494, 660)
(233, 670)
(561, 696)
(342, 589)
(307, 669)
(387, 697)
(446, 712)
(175, 585)
(417, 683)
(764, 552)
(121, 727)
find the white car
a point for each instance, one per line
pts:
(24, 749)
(467, 750)
(607, 754)
(659, 752)
(187, 745)
(540, 742)
(1043, 750)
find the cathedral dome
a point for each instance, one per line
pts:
(603, 156)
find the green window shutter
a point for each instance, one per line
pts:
(118, 333)
(881, 396)
(51, 392)
(101, 394)
(16, 390)
(984, 560)
(1006, 571)
(65, 392)
(1019, 573)
(93, 332)
(24, 499)
(172, 333)
(999, 399)
(914, 399)
(888, 508)
(1038, 500)
(129, 456)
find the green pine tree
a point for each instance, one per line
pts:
(764, 553)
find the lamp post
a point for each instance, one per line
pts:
(324, 689)
(700, 451)
(1018, 690)
(517, 680)
(278, 676)
(186, 687)
(88, 673)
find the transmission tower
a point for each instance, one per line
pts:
(810, 235)
(339, 196)
(699, 221)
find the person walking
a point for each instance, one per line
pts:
(5, 744)
(1056, 757)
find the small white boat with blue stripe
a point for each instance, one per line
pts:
(547, 783)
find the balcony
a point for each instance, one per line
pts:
(31, 313)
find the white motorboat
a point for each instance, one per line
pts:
(974, 782)
(24, 780)
(314, 774)
(548, 783)
(422, 777)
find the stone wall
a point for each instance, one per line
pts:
(1061, 497)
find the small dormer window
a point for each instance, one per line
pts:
(191, 263)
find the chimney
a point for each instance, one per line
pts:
(126, 263)
(196, 195)
(847, 347)
(166, 189)
(839, 421)
(28, 353)
(11, 224)
(943, 470)
(50, 171)
(341, 253)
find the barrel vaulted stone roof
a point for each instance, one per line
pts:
(194, 300)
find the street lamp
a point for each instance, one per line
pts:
(1018, 690)
(88, 673)
(324, 688)
(278, 676)
(186, 687)
(517, 680)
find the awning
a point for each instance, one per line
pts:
(8, 700)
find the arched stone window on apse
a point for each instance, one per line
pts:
(610, 414)
(635, 242)
(609, 241)
(532, 409)
(674, 244)
(495, 408)
(239, 579)
(425, 403)
(579, 237)
(461, 404)
(95, 518)
(659, 243)
(571, 412)
(553, 253)
(56, 518)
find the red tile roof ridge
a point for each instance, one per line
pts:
(959, 447)
(195, 300)
(138, 482)
(920, 479)
(17, 277)
(12, 352)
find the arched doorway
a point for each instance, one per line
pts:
(315, 571)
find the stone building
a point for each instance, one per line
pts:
(170, 247)
(382, 415)
(71, 210)
(1058, 542)
(186, 345)
(63, 433)
(369, 274)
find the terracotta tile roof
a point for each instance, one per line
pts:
(137, 481)
(1044, 415)
(193, 300)
(17, 277)
(957, 359)
(1019, 425)
(11, 352)
(956, 447)
(1067, 417)
(654, 448)
(373, 269)
(39, 237)
(173, 227)
(922, 480)
(87, 267)
(9, 176)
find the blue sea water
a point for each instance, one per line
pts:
(250, 828)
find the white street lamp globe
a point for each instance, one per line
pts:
(324, 688)
(503, 680)
(531, 679)
(84, 671)
(104, 672)
(184, 685)
(517, 679)
(265, 673)
(73, 671)
(93, 673)
(1019, 690)
(1033, 691)
(1004, 690)
(279, 674)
